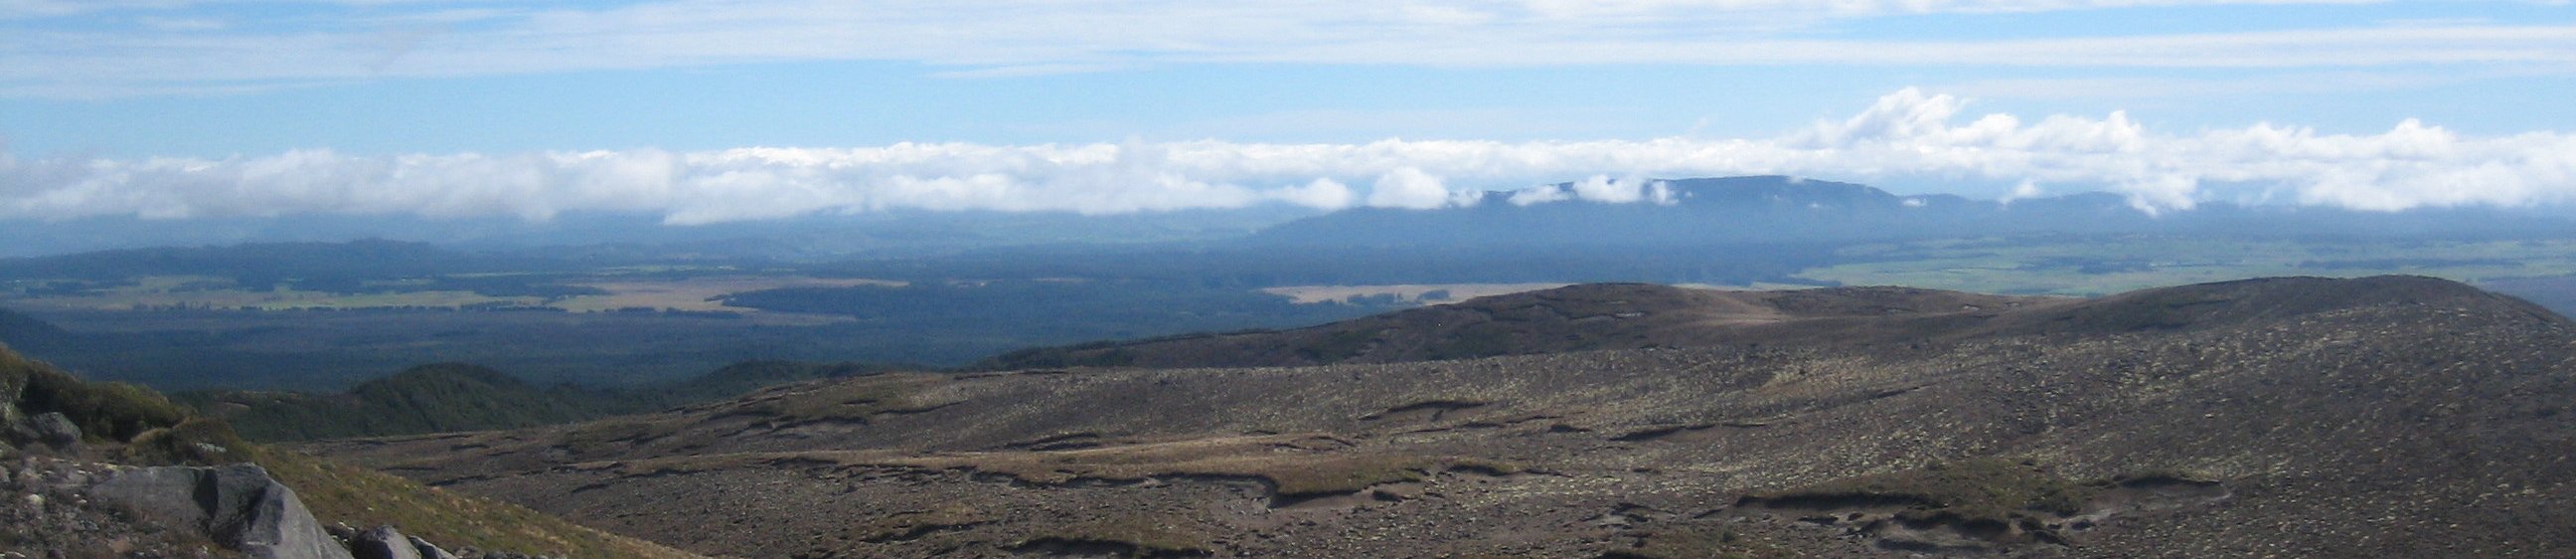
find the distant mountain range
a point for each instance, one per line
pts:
(1699, 211)
(1775, 209)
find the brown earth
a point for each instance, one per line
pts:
(2379, 417)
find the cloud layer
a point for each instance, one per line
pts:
(1909, 136)
(145, 47)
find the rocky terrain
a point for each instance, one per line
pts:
(114, 470)
(2300, 417)
(1573, 318)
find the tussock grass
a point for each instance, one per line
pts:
(1140, 536)
(1698, 543)
(361, 497)
(1288, 474)
(849, 400)
(139, 426)
(1992, 489)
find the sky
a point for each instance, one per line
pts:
(714, 111)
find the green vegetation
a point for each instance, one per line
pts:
(105, 412)
(363, 497)
(195, 440)
(425, 399)
(460, 397)
(135, 425)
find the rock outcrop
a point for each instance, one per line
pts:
(55, 430)
(428, 551)
(47, 431)
(238, 506)
(383, 542)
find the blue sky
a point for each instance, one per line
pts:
(171, 109)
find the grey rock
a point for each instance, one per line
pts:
(428, 551)
(55, 430)
(9, 391)
(382, 542)
(341, 531)
(238, 506)
(18, 432)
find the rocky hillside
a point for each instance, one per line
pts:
(2380, 417)
(1574, 318)
(115, 470)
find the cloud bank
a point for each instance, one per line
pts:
(1909, 135)
(107, 48)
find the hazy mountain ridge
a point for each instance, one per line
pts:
(2277, 416)
(1772, 209)
(27, 331)
(1719, 210)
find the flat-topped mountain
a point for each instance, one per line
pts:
(1751, 211)
(2301, 417)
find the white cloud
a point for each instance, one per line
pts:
(1542, 194)
(1412, 189)
(1324, 193)
(1601, 188)
(2026, 190)
(1908, 135)
(1606, 190)
(1004, 39)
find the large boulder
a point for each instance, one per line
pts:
(55, 430)
(383, 542)
(238, 506)
(11, 385)
(428, 551)
(48, 430)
